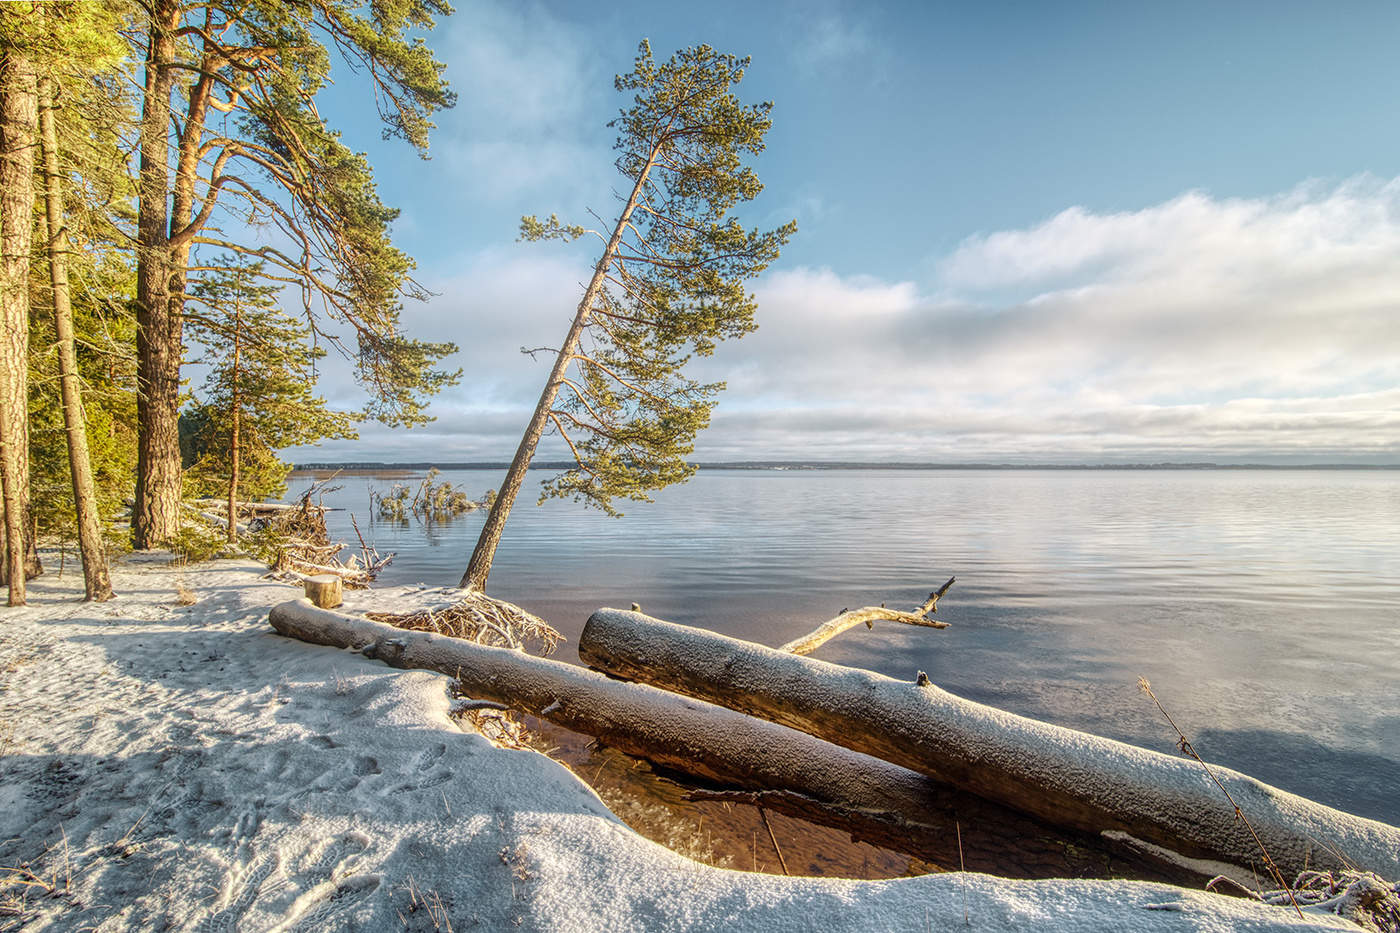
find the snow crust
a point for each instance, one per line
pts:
(174, 768)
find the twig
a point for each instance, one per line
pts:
(962, 866)
(768, 826)
(1189, 750)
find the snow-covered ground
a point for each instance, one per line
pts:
(181, 767)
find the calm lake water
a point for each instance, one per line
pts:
(1264, 606)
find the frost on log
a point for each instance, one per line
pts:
(1067, 778)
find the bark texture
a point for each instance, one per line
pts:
(18, 119)
(97, 582)
(1062, 776)
(479, 567)
(156, 516)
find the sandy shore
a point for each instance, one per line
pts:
(178, 767)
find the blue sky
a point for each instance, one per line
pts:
(1027, 231)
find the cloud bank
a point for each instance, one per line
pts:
(1197, 329)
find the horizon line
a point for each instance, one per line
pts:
(849, 465)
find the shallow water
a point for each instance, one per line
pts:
(1262, 605)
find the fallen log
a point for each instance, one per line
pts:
(775, 766)
(1067, 778)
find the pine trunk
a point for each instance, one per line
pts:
(479, 568)
(17, 128)
(96, 579)
(233, 450)
(155, 518)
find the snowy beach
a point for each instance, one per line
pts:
(179, 767)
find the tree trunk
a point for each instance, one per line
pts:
(479, 568)
(156, 516)
(237, 411)
(778, 767)
(17, 138)
(96, 579)
(1067, 778)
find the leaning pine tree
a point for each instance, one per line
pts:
(668, 285)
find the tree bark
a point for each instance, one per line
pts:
(777, 767)
(97, 581)
(18, 118)
(156, 516)
(479, 568)
(237, 412)
(1064, 777)
(324, 590)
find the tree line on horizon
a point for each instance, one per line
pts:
(168, 178)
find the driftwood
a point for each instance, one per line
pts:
(1062, 776)
(771, 765)
(850, 618)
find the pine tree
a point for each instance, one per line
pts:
(258, 396)
(86, 61)
(668, 285)
(80, 38)
(18, 131)
(249, 141)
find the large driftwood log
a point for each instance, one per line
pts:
(776, 766)
(1062, 776)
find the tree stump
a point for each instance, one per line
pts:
(323, 589)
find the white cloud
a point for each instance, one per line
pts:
(1198, 329)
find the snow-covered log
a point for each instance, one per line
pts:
(778, 767)
(1068, 778)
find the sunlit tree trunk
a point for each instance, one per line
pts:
(155, 518)
(236, 425)
(96, 579)
(17, 136)
(479, 568)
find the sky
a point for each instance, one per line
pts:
(1028, 232)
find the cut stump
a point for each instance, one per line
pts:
(324, 590)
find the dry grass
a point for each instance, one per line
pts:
(1189, 750)
(431, 905)
(23, 883)
(1361, 897)
(184, 596)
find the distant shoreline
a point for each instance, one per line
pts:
(363, 466)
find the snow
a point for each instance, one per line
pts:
(166, 767)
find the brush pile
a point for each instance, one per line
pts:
(299, 545)
(482, 619)
(486, 621)
(1359, 896)
(433, 500)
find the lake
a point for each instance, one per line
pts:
(1261, 604)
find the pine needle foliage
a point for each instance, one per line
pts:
(668, 286)
(674, 284)
(259, 395)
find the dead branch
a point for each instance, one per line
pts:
(850, 618)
